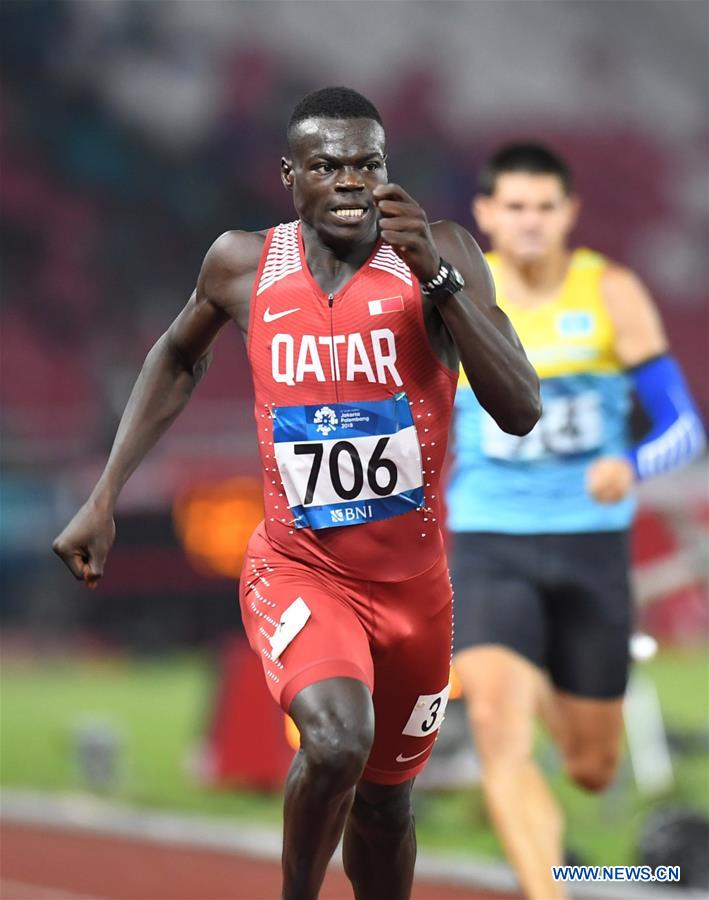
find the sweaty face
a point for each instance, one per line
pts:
(528, 217)
(334, 166)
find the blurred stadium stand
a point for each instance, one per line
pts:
(133, 134)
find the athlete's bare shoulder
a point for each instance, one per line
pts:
(228, 272)
(235, 253)
(639, 333)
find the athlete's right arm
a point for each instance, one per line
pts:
(172, 369)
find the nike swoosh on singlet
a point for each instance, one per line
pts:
(402, 758)
(268, 316)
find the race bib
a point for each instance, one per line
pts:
(348, 463)
(569, 425)
(427, 715)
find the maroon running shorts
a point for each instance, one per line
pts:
(307, 624)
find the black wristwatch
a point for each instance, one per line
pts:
(447, 281)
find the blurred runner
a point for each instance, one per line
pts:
(540, 555)
(357, 316)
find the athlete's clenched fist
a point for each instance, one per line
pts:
(404, 225)
(84, 544)
(609, 478)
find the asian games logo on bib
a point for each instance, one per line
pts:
(325, 420)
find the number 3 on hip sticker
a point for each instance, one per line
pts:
(427, 714)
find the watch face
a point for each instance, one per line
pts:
(457, 277)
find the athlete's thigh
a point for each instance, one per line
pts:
(497, 599)
(590, 615)
(300, 625)
(502, 690)
(412, 651)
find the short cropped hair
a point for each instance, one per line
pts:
(535, 159)
(333, 103)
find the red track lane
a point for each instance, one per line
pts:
(52, 863)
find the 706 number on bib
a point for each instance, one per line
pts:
(352, 460)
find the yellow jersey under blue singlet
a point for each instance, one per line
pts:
(537, 483)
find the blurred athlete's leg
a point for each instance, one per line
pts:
(500, 644)
(335, 718)
(503, 692)
(589, 622)
(588, 733)
(379, 849)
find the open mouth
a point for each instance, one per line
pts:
(350, 213)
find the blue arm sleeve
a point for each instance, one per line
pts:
(676, 434)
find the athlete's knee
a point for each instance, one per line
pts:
(335, 750)
(483, 712)
(592, 770)
(336, 723)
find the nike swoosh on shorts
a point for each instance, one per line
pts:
(402, 758)
(268, 316)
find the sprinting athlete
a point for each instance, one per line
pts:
(357, 316)
(540, 555)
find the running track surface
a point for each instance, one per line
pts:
(70, 864)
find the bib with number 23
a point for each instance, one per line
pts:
(348, 463)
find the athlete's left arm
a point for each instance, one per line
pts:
(676, 434)
(467, 326)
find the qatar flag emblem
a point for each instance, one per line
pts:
(387, 305)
